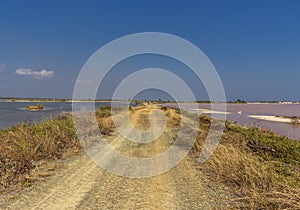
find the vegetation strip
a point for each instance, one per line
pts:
(261, 167)
(24, 147)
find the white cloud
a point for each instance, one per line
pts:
(35, 74)
(2, 67)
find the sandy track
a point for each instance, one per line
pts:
(81, 184)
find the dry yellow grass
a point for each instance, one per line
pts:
(262, 167)
(23, 147)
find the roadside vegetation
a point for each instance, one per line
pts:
(263, 168)
(23, 148)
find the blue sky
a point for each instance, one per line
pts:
(254, 45)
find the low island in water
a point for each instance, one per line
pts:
(38, 107)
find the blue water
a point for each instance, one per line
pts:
(13, 113)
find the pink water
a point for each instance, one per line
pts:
(285, 129)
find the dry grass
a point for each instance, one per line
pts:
(173, 116)
(264, 169)
(24, 147)
(21, 147)
(106, 125)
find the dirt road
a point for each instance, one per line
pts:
(81, 184)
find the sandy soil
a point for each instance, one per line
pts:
(271, 118)
(81, 184)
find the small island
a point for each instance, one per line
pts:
(38, 107)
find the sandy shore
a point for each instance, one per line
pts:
(271, 118)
